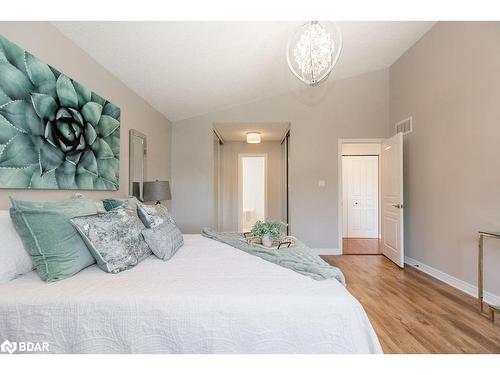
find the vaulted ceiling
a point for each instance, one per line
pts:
(185, 69)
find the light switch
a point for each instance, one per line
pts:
(321, 183)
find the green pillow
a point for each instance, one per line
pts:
(112, 203)
(56, 248)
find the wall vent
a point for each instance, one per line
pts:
(405, 126)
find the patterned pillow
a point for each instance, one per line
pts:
(114, 239)
(112, 203)
(152, 216)
(164, 239)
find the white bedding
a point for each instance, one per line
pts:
(209, 298)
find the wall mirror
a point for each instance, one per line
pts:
(137, 163)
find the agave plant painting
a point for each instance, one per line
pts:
(54, 132)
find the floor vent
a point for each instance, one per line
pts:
(405, 126)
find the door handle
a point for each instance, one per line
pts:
(397, 205)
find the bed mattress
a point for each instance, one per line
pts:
(209, 298)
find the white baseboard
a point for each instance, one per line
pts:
(464, 286)
(325, 251)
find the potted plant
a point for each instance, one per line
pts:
(268, 231)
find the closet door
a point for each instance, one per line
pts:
(362, 196)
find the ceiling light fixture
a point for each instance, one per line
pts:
(253, 137)
(313, 50)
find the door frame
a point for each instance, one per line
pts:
(240, 184)
(340, 196)
(217, 182)
(285, 142)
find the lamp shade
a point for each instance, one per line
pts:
(156, 191)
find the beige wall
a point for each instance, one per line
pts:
(450, 83)
(47, 43)
(230, 152)
(351, 108)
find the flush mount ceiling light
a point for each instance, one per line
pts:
(313, 50)
(253, 137)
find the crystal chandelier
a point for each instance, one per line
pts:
(313, 50)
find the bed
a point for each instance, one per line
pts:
(209, 298)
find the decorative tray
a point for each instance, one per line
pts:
(285, 242)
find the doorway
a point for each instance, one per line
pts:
(391, 235)
(252, 190)
(251, 179)
(360, 165)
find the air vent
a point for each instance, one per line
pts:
(404, 126)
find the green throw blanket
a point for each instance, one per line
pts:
(298, 258)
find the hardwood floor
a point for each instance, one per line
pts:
(415, 313)
(361, 246)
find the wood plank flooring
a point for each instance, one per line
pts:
(415, 313)
(361, 246)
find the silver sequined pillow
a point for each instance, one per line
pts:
(152, 216)
(164, 239)
(114, 239)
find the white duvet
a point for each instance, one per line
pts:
(209, 298)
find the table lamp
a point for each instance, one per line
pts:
(156, 191)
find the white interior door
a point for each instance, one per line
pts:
(362, 196)
(392, 199)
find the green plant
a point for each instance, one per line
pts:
(274, 229)
(54, 132)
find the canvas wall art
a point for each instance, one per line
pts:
(54, 132)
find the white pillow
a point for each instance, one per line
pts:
(14, 259)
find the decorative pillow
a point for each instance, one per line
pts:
(14, 259)
(114, 238)
(100, 207)
(56, 249)
(112, 203)
(164, 239)
(152, 216)
(98, 204)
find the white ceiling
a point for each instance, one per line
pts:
(185, 69)
(237, 132)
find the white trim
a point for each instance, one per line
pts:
(464, 286)
(341, 141)
(327, 251)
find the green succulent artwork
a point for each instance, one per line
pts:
(54, 132)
